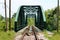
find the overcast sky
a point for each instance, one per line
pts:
(46, 4)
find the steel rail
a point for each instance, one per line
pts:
(34, 33)
(24, 33)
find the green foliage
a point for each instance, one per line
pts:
(14, 15)
(55, 36)
(7, 35)
(12, 22)
(31, 21)
(1, 18)
(2, 23)
(51, 17)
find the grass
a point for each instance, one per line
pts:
(31, 21)
(7, 35)
(10, 35)
(55, 36)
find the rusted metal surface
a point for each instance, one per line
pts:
(34, 33)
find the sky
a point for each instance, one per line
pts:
(45, 4)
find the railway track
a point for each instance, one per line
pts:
(29, 33)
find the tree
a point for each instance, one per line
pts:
(56, 14)
(51, 16)
(14, 15)
(1, 17)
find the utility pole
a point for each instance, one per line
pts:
(57, 15)
(6, 26)
(9, 14)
